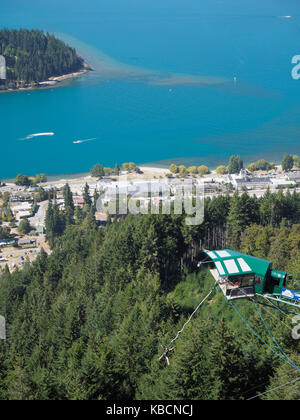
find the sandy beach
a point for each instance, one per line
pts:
(148, 173)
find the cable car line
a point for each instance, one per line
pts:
(272, 305)
(286, 357)
(278, 319)
(272, 315)
(265, 383)
(273, 338)
(274, 389)
(260, 338)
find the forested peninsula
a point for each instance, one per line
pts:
(35, 59)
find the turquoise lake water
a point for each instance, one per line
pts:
(163, 90)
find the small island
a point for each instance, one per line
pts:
(35, 59)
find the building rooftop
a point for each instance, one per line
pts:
(232, 263)
(253, 180)
(25, 241)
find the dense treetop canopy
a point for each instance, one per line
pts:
(88, 321)
(33, 56)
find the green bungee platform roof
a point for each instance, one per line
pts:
(232, 263)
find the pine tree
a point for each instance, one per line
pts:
(18, 382)
(227, 367)
(86, 196)
(69, 205)
(95, 200)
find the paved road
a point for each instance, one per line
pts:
(39, 217)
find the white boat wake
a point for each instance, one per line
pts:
(32, 136)
(84, 141)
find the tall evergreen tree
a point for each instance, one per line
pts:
(69, 205)
(86, 196)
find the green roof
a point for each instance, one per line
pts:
(232, 263)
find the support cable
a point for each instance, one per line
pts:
(261, 339)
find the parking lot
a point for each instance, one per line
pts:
(16, 257)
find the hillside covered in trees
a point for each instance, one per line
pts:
(32, 57)
(88, 321)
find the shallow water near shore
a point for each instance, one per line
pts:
(168, 92)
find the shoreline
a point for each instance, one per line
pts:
(155, 170)
(52, 178)
(149, 172)
(54, 81)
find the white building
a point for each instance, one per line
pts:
(23, 214)
(294, 176)
(282, 182)
(24, 207)
(246, 179)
